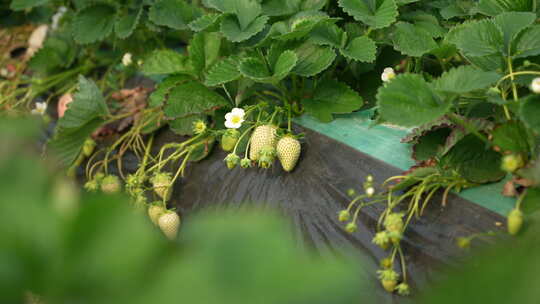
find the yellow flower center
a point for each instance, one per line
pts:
(236, 119)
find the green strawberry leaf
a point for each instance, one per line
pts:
(176, 14)
(530, 112)
(511, 24)
(528, 43)
(184, 125)
(301, 25)
(409, 101)
(488, 62)
(83, 116)
(327, 33)
(166, 62)
(189, 97)
(164, 88)
(430, 144)
(427, 22)
(246, 11)
(496, 7)
(313, 59)
(474, 161)
(232, 30)
(332, 97)
(361, 49)
(204, 22)
(203, 50)
(58, 51)
(93, 23)
(255, 68)
(280, 7)
(375, 13)
(19, 5)
(477, 38)
(312, 5)
(284, 65)
(222, 72)
(412, 40)
(465, 79)
(126, 24)
(511, 137)
(531, 202)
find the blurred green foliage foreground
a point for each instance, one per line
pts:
(70, 247)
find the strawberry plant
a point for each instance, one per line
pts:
(463, 76)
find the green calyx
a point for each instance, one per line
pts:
(267, 155)
(232, 160)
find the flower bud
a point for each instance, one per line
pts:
(199, 127)
(232, 160)
(344, 215)
(111, 184)
(88, 147)
(403, 289)
(245, 163)
(351, 227)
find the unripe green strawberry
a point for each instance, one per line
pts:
(229, 139)
(111, 184)
(91, 185)
(512, 162)
(169, 222)
(232, 160)
(514, 221)
(403, 289)
(344, 215)
(463, 242)
(155, 211)
(263, 136)
(288, 152)
(388, 279)
(394, 223)
(351, 227)
(267, 155)
(386, 263)
(161, 182)
(389, 285)
(88, 147)
(245, 163)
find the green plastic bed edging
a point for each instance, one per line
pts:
(384, 143)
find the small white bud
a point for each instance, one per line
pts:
(535, 85)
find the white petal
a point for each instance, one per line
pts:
(535, 85)
(388, 70)
(41, 106)
(231, 125)
(238, 112)
(229, 116)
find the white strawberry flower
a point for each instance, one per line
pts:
(535, 85)
(388, 74)
(40, 109)
(127, 59)
(235, 118)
